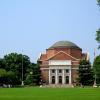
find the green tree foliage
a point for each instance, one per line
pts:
(98, 37)
(96, 67)
(33, 78)
(98, 2)
(11, 78)
(3, 76)
(7, 77)
(36, 73)
(85, 73)
(14, 63)
(98, 31)
(11, 66)
(29, 79)
(2, 63)
(2, 73)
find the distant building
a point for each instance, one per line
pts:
(60, 63)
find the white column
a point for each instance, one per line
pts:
(56, 78)
(70, 76)
(49, 76)
(63, 76)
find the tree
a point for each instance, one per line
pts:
(33, 78)
(96, 67)
(98, 2)
(29, 79)
(3, 76)
(2, 64)
(11, 78)
(98, 37)
(98, 31)
(36, 73)
(14, 62)
(85, 73)
(7, 77)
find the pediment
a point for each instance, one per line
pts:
(62, 56)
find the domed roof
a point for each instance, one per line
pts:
(64, 44)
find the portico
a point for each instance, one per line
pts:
(60, 75)
(59, 72)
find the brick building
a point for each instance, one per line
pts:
(60, 63)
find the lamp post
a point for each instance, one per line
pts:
(95, 85)
(22, 72)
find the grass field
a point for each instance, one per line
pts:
(49, 93)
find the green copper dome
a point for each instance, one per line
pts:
(64, 44)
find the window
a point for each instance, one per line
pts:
(53, 79)
(67, 79)
(67, 70)
(60, 79)
(53, 71)
(60, 71)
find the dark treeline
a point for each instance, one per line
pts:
(15, 68)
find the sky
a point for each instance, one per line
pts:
(32, 26)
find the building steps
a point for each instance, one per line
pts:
(58, 85)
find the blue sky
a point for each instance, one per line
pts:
(34, 25)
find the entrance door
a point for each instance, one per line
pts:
(60, 79)
(53, 79)
(67, 79)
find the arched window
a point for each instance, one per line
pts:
(60, 79)
(67, 79)
(53, 79)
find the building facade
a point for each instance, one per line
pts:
(60, 63)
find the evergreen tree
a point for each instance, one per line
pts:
(96, 67)
(85, 73)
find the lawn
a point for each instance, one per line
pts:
(49, 93)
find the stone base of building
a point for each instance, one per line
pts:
(58, 85)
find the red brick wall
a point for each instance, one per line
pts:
(66, 50)
(77, 53)
(44, 75)
(74, 75)
(50, 53)
(75, 63)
